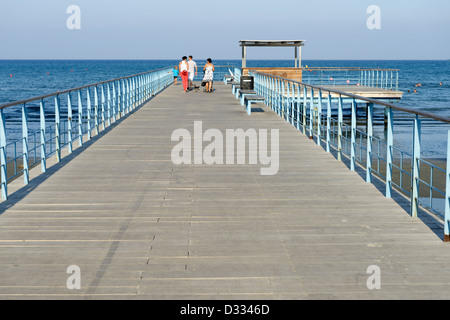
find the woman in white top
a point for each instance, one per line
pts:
(184, 73)
(209, 75)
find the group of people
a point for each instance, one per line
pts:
(419, 85)
(187, 70)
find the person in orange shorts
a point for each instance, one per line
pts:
(184, 73)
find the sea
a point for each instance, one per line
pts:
(23, 79)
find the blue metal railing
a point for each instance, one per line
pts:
(339, 76)
(304, 106)
(76, 114)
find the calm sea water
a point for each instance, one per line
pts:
(23, 79)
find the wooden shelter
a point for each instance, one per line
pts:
(294, 73)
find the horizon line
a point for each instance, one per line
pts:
(142, 59)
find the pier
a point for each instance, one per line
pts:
(113, 204)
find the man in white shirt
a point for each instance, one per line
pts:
(192, 71)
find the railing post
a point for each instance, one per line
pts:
(340, 121)
(277, 96)
(396, 85)
(154, 83)
(311, 114)
(319, 118)
(392, 80)
(353, 137)
(150, 84)
(138, 90)
(142, 87)
(160, 84)
(57, 129)
(292, 101)
(69, 122)
(369, 143)
(134, 90)
(415, 183)
(108, 103)
(96, 109)
(26, 175)
(282, 100)
(124, 99)
(389, 151)
(131, 93)
(305, 97)
(4, 172)
(119, 99)
(43, 142)
(103, 107)
(272, 93)
(288, 102)
(80, 119)
(387, 80)
(114, 102)
(297, 99)
(128, 95)
(147, 85)
(89, 112)
(264, 87)
(329, 123)
(447, 194)
(267, 90)
(258, 84)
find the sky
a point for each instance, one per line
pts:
(168, 29)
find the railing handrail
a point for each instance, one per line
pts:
(349, 68)
(19, 102)
(369, 100)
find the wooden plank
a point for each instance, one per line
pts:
(247, 91)
(254, 97)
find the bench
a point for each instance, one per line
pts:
(228, 78)
(235, 86)
(249, 99)
(242, 93)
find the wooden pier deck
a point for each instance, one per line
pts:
(140, 227)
